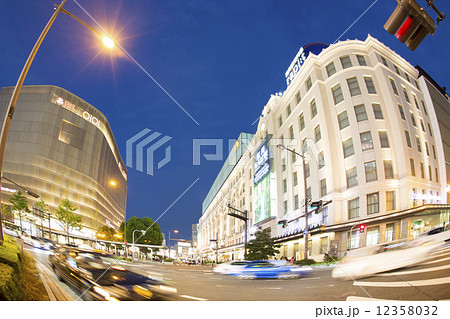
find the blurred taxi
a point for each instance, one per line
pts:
(95, 275)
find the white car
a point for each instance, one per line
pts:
(11, 232)
(32, 241)
(371, 260)
(438, 235)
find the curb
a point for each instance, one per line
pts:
(54, 291)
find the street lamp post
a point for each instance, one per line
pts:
(114, 184)
(175, 231)
(217, 249)
(143, 233)
(15, 95)
(242, 215)
(305, 232)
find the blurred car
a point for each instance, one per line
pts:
(31, 240)
(231, 266)
(438, 235)
(270, 269)
(368, 261)
(94, 274)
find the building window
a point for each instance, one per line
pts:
(347, 146)
(389, 234)
(407, 77)
(298, 97)
(429, 129)
(402, 114)
(285, 204)
(291, 132)
(394, 87)
(371, 171)
(361, 60)
(353, 208)
(396, 69)
(388, 169)
(360, 112)
(384, 141)
(437, 175)
(293, 157)
(313, 109)
(352, 177)
(346, 62)
(415, 101)
(302, 122)
(384, 61)
(422, 171)
(321, 160)
(72, 135)
(373, 203)
(424, 107)
(289, 110)
(331, 69)
(307, 171)
(317, 134)
(353, 86)
(295, 180)
(405, 93)
(430, 172)
(296, 202)
(323, 187)
(370, 86)
(366, 141)
(337, 94)
(280, 121)
(284, 186)
(427, 149)
(390, 200)
(408, 139)
(419, 147)
(343, 120)
(377, 111)
(308, 194)
(422, 125)
(308, 84)
(413, 118)
(413, 169)
(283, 164)
(353, 239)
(373, 236)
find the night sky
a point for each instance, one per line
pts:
(220, 60)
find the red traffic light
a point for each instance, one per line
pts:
(362, 227)
(410, 23)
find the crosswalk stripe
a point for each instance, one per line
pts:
(415, 271)
(426, 282)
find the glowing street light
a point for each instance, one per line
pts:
(15, 95)
(176, 232)
(108, 42)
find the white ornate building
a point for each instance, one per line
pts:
(376, 144)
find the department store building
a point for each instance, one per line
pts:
(61, 147)
(376, 143)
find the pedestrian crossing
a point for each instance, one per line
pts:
(426, 281)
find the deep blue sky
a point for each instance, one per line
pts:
(220, 59)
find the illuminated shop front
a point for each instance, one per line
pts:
(59, 147)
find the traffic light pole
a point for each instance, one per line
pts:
(243, 217)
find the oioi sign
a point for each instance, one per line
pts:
(84, 114)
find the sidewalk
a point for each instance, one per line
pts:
(54, 291)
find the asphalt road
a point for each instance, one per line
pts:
(428, 281)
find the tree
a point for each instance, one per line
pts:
(108, 233)
(19, 205)
(67, 218)
(262, 247)
(153, 235)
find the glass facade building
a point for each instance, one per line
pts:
(61, 147)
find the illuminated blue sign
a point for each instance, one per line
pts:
(300, 58)
(262, 163)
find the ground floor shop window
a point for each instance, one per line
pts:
(390, 233)
(373, 236)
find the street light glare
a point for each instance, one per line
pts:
(108, 42)
(113, 183)
(175, 231)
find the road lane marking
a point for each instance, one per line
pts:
(310, 278)
(436, 261)
(355, 298)
(415, 271)
(193, 298)
(276, 288)
(414, 283)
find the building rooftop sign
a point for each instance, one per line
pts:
(301, 57)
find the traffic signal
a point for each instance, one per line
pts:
(319, 206)
(362, 227)
(410, 23)
(283, 223)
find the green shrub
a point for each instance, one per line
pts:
(305, 262)
(8, 283)
(10, 255)
(168, 260)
